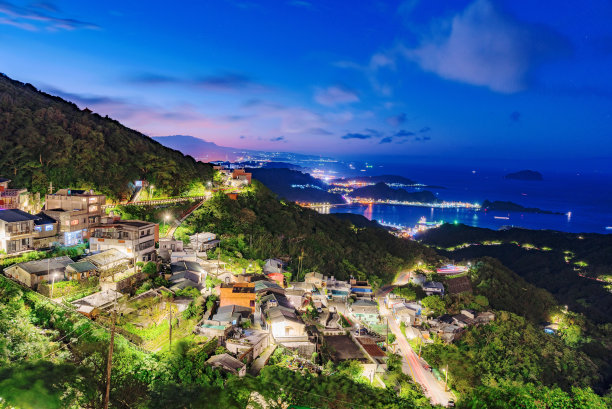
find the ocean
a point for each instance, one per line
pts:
(587, 197)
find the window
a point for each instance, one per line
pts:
(48, 227)
(37, 228)
(93, 208)
(74, 222)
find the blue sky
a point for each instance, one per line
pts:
(461, 79)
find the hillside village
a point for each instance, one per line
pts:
(166, 289)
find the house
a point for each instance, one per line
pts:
(484, 317)
(75, 211)
(81, 270)
(167, 246)
(279, 278)
(302, 286)
(284, 323)
(242, 294)
(404, 314)
(273, 265)
(11, 198)
(188, 269)
(135, 238)
(459, 285)
(16, 231)
(232, 314)
(314, 278)
(32, 273)
(227, 363)
(296, 298)
(360, 288)
(214, 329)
(366, 311)
(265, 286)
(109, 259)
(46, 231)
(203, 241)
(464, 319)
(433, 287)
(240, 178)
(249, 344)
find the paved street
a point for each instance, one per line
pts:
(411, 365)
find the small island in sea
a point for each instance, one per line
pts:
(530, 175)
(382, 191)
(503, 206)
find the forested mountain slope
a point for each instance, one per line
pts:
(47, 139)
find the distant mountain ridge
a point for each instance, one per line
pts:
(209, 151)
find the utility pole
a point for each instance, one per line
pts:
(170, 335)
(387, 332)
(446, 379)
(109, 363)
(420, 344)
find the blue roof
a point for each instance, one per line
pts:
(16, 215)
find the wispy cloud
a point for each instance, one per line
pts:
(404, 134)
(39, 16)
(278, 139)
(487, 47)
(356, 136)
(387, 139)
(335, 95)
(424, 129)
(227, 81)
(397, 120)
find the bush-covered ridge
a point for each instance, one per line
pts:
(45, 139)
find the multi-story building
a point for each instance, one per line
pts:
(16, 231)
(134, 238)
(75, 211)
(240, 178)
(13, 198)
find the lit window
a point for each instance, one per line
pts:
(37, 228)
(74, 222)
(48, 227)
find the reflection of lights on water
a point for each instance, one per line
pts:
(569, 216)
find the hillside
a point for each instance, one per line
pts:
(381, 191)
(45, 139)
(295, 186)
(257, 226)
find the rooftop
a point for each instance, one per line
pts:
(107, 257)
(16, 215)
(43, 266)
(225, 361)
(99, 299)
(82, 266)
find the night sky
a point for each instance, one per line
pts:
(467, 79)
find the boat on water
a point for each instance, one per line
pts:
(501, 217)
